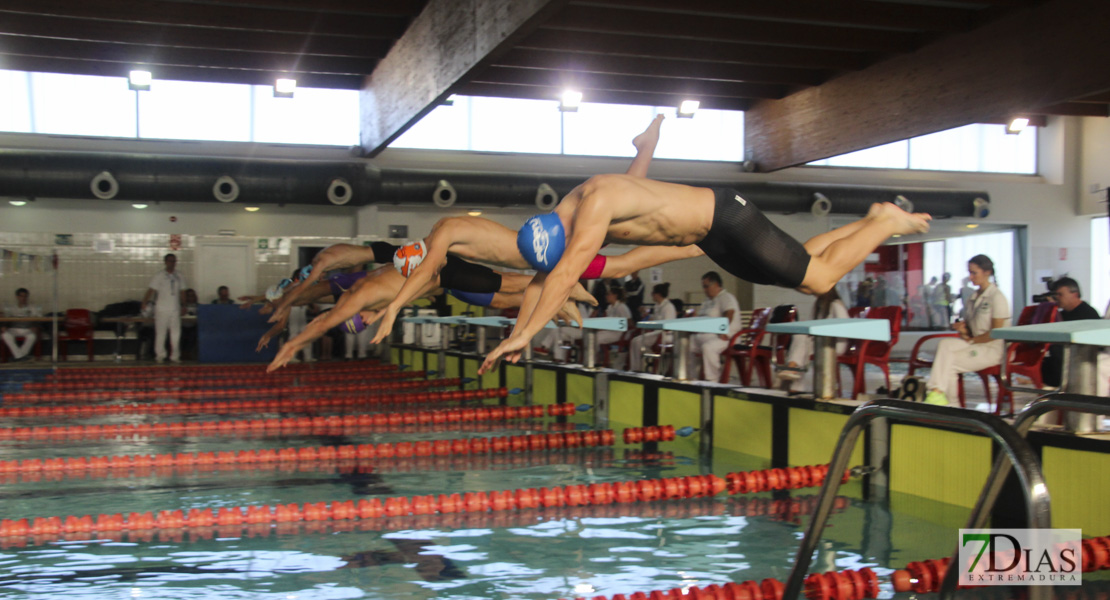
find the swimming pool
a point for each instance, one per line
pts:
(546, 552)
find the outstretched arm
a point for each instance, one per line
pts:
(269, 335)
(336, 256)
(301, 295)
(348, 304)
(423, 278)
(590, 225)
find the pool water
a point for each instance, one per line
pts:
(565, 552)
(539, 553)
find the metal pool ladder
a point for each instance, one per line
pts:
(1013, 444)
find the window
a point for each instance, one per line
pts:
(311, 116)
(15, 102)
(185, 110)
(82, 105)
(979, 147)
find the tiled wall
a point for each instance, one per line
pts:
(92, 280)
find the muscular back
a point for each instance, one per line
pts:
(640, 211)
(479, 240)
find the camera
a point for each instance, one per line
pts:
(1048, 296)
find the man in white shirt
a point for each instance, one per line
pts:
(168, 287)
(710, 345)
(29, 334)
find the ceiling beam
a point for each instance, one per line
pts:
(628, 65)
(408, 8)
(186, 37)
(693, 89)
(856, 13)
(159, 12)
(500, 90)
(778, 33)
(447, 42)
(38, 64)
(131, 55)
(1021, 62)
(699, 50)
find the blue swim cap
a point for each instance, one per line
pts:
(541, 241)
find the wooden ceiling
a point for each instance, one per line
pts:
(794, 64)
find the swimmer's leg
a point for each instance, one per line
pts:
(645, 147)
(845, 251)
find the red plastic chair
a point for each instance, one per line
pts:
(1022, 358)
(761, 354)
(869, 352)
(78, 327)
(739, 349)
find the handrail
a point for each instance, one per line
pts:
(1022, 423)
(1014, 445)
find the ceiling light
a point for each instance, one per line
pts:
(474, 213)
(251, 208)
(17, 202)
(139, 80)
(284, 88)
(687, 109)
(139, 206)
(972, 225)
(571, 100)
(1017, 125)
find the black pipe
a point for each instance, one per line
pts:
(284, 181)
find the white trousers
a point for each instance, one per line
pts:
(955, 356)
(709, 346)
(360, 341)
(19, 351)
(167, 321)
(640, 344)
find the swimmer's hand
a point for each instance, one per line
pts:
(283, 357)
(511, 349)
(385, 319)
(279, 314)
(266, 309)
(263, 342)
(246, 302)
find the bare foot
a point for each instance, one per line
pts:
(876, 210)
(650, 137)
(579, 294)
(903, 222)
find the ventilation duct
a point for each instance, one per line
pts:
(51, 174)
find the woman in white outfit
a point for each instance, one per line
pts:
(828, 306)
(664, 310)
(974, 350)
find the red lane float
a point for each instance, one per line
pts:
(84, 384)
(68, 372)
(327, 404)
(272, 391)
(257, 521)
(331, 425)
(621, 492)
(362, 454)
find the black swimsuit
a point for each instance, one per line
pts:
(747, 244)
